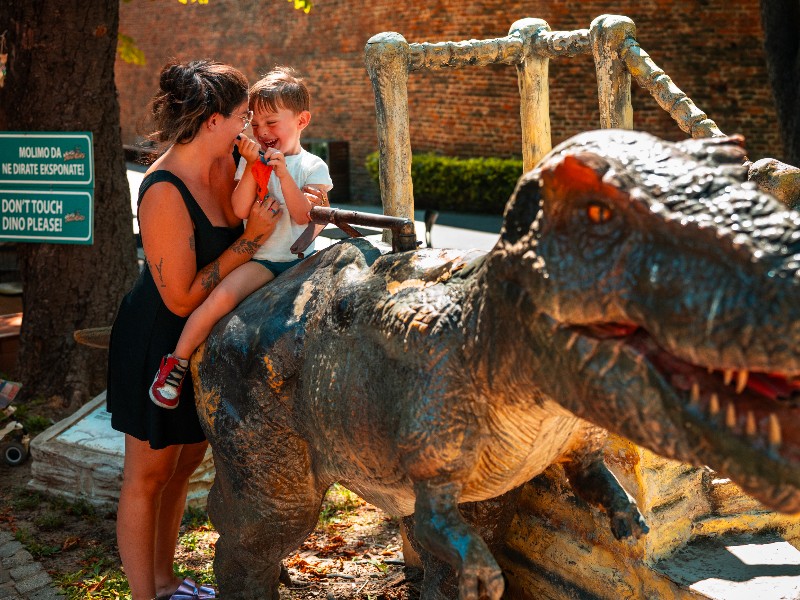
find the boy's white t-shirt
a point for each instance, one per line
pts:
(305, 168)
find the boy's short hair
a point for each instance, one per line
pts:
(280, 88)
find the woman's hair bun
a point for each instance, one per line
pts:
(173, 76)
(190, 93)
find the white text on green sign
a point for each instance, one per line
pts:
(46, 159)
(46, 216)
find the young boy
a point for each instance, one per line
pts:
(280, 102)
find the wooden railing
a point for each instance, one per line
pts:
(529, 46)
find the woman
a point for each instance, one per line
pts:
(191, 240)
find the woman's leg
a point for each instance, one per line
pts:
(146, 473)
(240, 283)
(173, 501)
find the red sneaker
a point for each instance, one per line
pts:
(166, 388)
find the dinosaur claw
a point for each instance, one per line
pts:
(484, 585)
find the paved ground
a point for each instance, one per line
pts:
(21, 577)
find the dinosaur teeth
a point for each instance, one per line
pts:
(750, 425)
(572, 339)
(728, 376)
(695, 394)
(730, 416)
(741, 380)
(713, 405)
(589, 353)
(611, 361)
(774, 431)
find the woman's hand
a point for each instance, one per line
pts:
(262, 220)
(247, 148)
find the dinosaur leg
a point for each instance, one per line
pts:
(592, 481)
(261, 517)
(454, 542)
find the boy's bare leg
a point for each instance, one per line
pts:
(240, 283)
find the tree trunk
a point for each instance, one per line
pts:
(780, 20)
(60, 77)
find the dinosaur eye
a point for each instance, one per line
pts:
(598, 213)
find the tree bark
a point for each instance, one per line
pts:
(780, 20)
(60, 77)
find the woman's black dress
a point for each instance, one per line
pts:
(145, 330)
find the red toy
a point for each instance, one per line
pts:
(261, 172)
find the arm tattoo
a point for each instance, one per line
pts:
(246, 246)
(210, 276)
(158, 269)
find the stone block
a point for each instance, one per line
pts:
(25, 570)
(46, 593)
(19, 558)
(33, 583)
(81, 458)
(9, 592)
(9, 548)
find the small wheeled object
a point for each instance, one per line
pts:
(14, 440)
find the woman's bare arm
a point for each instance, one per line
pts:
(169, 247)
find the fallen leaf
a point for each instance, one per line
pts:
(98, 585)
(70, 543)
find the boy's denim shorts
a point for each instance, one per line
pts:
(280, 267)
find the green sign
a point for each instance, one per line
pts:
(46, 187)
(58, 217)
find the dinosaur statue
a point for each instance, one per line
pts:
(638, 286)
(777, 178)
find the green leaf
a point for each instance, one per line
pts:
(129, 51)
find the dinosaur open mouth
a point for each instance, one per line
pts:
(761, 407)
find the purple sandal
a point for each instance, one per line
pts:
(189, 590)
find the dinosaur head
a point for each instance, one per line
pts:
(669, 288)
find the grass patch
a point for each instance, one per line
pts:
(78, 508)
(338, 502)
(98, 578)
(36, 424)
(49, 521)
(26, 500)
(196, 518)
(38, 550)
(189, 541)
(26, 414)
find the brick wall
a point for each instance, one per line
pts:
(710, 48)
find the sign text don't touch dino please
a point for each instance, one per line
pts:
(46, 187)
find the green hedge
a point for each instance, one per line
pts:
(481, 185)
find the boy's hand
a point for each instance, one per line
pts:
(247, 148)
(277, 160)
(316, 196)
